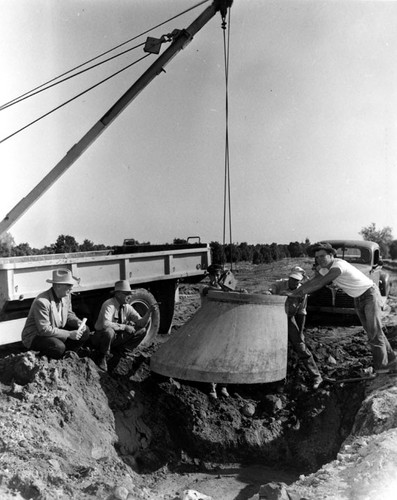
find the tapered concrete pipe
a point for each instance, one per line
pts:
(234, 338)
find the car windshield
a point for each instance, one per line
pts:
(353, 254)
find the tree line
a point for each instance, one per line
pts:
(235, 252)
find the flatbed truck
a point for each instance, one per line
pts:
(154, 272)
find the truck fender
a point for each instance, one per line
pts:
(141, 300)
(384, 284)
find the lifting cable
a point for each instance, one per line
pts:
(72, 99)
(227, 192)
(36, 90)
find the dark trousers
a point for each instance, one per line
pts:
(297, 339)
(55, 348)
(107, 339)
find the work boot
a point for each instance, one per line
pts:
(71, 355)
(212, 394)
(317, 381)
(389, 368)
(224, 392)
(102, 363)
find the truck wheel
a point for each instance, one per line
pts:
(384, 285)
(165, 294)
(141, 300)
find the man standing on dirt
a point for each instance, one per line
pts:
(119, 325)
(296, 311)
(366, 297)
(215, 272)
(51, 326)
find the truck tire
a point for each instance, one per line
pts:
(384, 284)
(165, 294)
(141, 300)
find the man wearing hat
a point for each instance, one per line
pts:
(119, 325)
(51, 326)
(365, 293)
(296, 311)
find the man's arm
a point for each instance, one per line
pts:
(316, 283)
(41, 313)
(141, 322)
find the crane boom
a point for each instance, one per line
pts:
(180, 41)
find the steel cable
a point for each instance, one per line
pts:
(227, 209)
(33, 91)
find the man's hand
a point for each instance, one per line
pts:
(129, 329)
(292, 305)
(140, 334)
(75, 334)
(153, 307)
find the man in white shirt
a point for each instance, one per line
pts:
(119, 324)
(366, 297)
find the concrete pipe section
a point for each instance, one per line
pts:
(234, 338)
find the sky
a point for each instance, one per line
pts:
(312, 128)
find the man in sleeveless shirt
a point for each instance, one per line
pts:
(366, 297)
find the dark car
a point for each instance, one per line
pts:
(365, 255)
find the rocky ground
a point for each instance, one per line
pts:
(70, 431)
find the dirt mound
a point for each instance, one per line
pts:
(70, 431)
(58, 430)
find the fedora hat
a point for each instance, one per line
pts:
(63, 277)
(312, 249)
(122, 286)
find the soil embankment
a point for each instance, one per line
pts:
(70, 431)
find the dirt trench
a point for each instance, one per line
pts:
(64, 421)
(70, 431)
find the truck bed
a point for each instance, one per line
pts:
(146, 266)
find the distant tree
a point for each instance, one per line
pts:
(246, 252)
(266, 253)
(393, 249)
(383, 237)
(217, 253)
(232, 253)
(257, 257)
(23, 249)
(66, 244)
(179, 241)
(87, 246)
(296, 249)
(7, 243)
(275, 251)
(47, 249)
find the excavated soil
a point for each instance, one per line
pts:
(71, 431)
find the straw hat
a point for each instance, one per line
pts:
(122, 286)
(296, 275)
(63, 277)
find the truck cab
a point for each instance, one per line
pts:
(365, 255)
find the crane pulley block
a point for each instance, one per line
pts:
(153, 45)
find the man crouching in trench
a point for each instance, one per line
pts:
(52, 328)
(117, 322)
